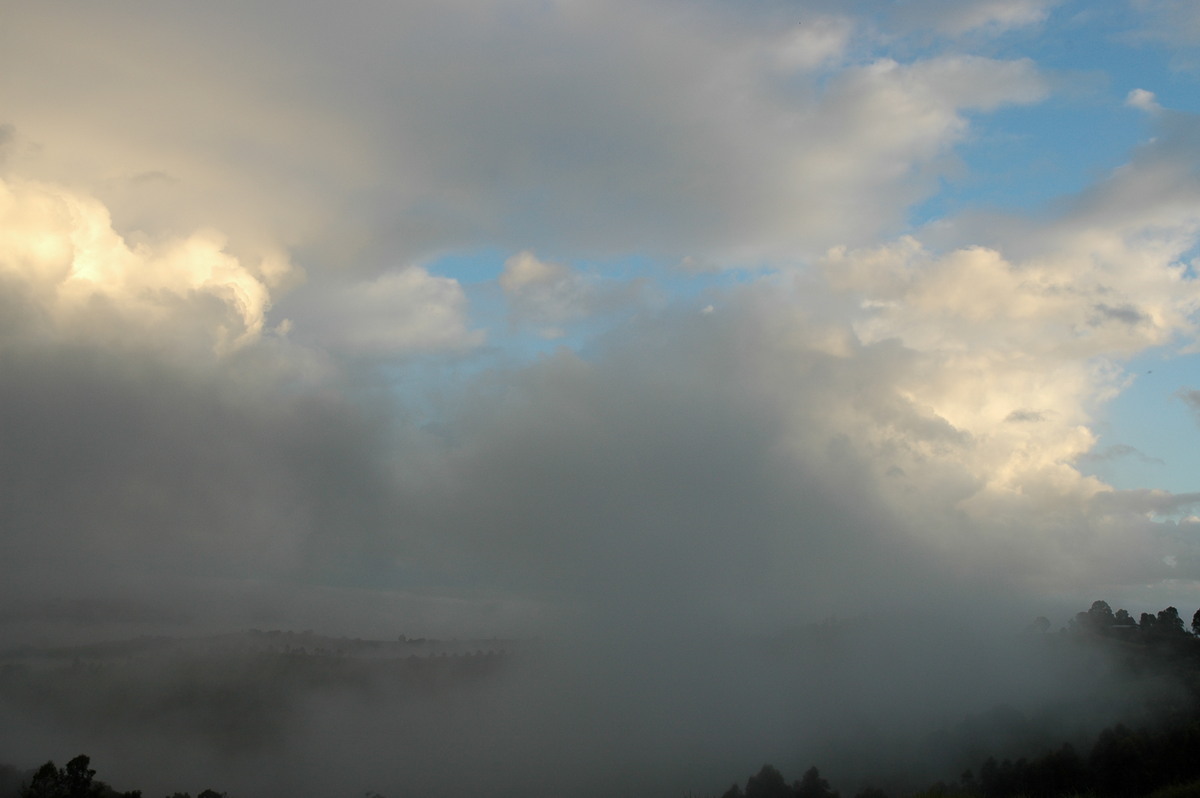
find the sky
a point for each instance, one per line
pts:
(505, 317)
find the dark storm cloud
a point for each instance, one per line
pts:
(684, 475)
(626, 485)
(121, 471)
(670, 504)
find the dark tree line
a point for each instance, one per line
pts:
(769, 783)
(1122, 763)
(77, 780)
(1167, 624)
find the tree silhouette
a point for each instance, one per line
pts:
(813, 786)
(1169, 622)
(73, 781)
(1100, 616)
(45, 783)
(767, 783)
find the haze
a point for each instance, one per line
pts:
(645, 333)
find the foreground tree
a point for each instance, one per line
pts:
(767, 783)
(813, 786)
(1099, 617)
(76, 780)
(1169, 622)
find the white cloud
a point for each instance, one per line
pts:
(73, 277)
(524, 270)
(1143, 100)
(59, 251)
(552, 294)
(403, 312)
(1039, 339)
(990, 341)
(544, 293)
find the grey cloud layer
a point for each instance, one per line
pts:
(911, 408)
(608, 127)
(724, 469)
(239, 387)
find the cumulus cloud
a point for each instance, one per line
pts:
(995, 338)
(1143, 100)
(74, 276)
(71, 276)
(552, 294)
(404, 312)
(1011, 348)
(545, 293)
